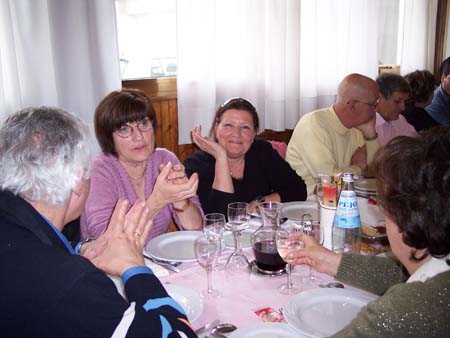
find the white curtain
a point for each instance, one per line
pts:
(285, 56)
(419, 35)
(58, 52)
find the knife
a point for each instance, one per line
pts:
(168, 266)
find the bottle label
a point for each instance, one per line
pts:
(347, 212)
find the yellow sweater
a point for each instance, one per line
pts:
(320, 144)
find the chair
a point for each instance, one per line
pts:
(280, 147)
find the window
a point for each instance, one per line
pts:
(147, 38)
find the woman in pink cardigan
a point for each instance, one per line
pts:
(131, 167)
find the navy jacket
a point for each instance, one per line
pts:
(49, 292)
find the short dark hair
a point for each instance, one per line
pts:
(238, 104)
(444, 69)
(422, 84)
(390, 83)
(413, 180)
(118, 108)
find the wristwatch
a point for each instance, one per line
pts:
(81, 243)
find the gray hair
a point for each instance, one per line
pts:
(43, 153)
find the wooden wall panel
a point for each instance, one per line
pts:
(159, 119)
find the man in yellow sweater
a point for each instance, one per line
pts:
(338, 138)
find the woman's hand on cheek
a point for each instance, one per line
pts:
(207, 145)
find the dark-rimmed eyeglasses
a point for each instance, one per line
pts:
(127, 129)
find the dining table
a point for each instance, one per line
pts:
(245, 298)
(241, 295)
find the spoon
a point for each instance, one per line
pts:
(207, 327)
(220, 329)
(332, 285)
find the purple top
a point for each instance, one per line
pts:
(110, 181)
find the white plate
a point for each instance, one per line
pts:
(323, 312)
(189, 300)
(265, 330)
(295, 210)
(366, 184)
(244, 239)
(173, 246)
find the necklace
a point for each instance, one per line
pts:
(238, 177)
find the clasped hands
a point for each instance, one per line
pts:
(172, 186)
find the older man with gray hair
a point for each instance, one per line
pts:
(48, 288)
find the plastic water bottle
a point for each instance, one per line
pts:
(347, 221)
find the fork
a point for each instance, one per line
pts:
(170, 265)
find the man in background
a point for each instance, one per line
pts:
(338, 138)
(439, 109)
(394, 91)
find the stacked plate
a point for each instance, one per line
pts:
(366, 187)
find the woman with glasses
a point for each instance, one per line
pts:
(234, 166)
(131, 167)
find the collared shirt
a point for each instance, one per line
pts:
(387, 130)
(60, 235)
(429, 269)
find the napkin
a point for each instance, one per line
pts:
(370, 214)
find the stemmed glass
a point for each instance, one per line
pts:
(238, 218)
(288, 241)
(312, 228)
(206, 252)
(213, 225)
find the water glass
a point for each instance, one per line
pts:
(238, 218)
(312, 228)
(288, 241)
(206, 252)
(213, 225)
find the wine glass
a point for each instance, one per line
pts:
(206, 252)
(238, 218)
(213, 225)
(312, 228)
(288, 240)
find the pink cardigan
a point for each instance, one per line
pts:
(110, 181)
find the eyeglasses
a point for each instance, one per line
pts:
(372, 105)
(127, 129)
